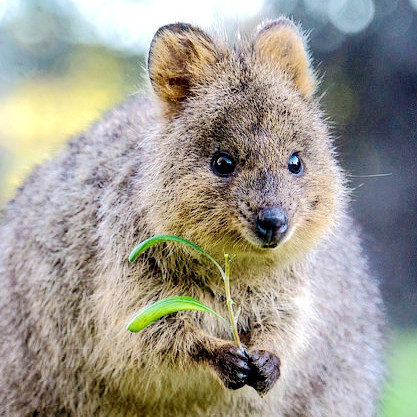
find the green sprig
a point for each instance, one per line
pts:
(179, 303)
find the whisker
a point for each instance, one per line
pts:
(388, 174)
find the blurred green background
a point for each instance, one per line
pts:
(63, 63)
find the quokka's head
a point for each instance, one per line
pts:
(244, 159)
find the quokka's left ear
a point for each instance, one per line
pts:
(281, 44)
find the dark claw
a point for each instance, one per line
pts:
(242, 352)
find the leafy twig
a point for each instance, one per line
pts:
(178, 303)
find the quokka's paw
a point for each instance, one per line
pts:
(264, 372)
(237, 367)
(232, 365)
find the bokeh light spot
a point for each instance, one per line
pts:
(351, 16)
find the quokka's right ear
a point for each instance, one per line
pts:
(178, 58)
(280, 44)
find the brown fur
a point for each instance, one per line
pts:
(67, 290)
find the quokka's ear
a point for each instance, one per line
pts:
(281, 44)
(178, 58)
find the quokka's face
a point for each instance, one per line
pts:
(246, 159)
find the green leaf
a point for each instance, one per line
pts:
(167, 306)
(148, 243)
(154, 240)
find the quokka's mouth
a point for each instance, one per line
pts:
(270, 245)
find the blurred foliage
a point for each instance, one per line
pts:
(52, 85)
(41, 112)
(400, 398)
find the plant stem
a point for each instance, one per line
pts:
(229, 300)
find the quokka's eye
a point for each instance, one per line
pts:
(295, 164)
(222, 164)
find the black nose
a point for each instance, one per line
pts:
(271, 225)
